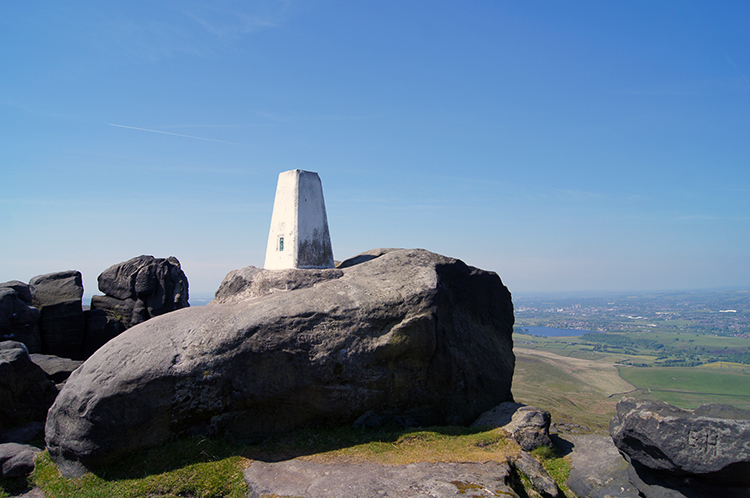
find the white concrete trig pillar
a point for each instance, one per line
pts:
(299, 236)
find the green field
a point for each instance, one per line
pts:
(690, 387)
(565, 380)
(651, 348)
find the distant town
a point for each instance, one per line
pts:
(718, 312)
(665, 329)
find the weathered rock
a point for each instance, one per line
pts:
(368, 480)
(57, 369)
(61, 325)
(667, 439)
(22, 289)
(598, 470)
(17, 459)
(120, 310)
(141, 288)
(118, 280)
(18, 317)
(540, 479)
(362, 257)
(25, 391)
(410, 336)
(251, 282)
(101, 327)
(527, 425)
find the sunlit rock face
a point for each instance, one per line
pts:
(404, 336)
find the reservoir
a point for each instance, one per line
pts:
(552, 331)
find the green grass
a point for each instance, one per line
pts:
(556, 466)
(195, 467)
(691, 387)
(444, 444)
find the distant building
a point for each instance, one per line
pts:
(299, 236)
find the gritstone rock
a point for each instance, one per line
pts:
(61, 325)
(711, 443)
(18, 317)
(409, 337)
(141, 288)
(17, 459)
(598, 469)
(57, 369)
(369, 480)
(527, 425)
(101, 327)
(25, 391)
(541, 481)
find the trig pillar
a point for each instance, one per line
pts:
(299, 236)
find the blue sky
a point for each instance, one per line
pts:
(569, 146)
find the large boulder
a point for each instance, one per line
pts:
(527, 425)
(25, 391)
(61, 325)
(18, 316)
(409, 337)
(711, 443)
(141, 288)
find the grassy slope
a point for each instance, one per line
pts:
(574, 390)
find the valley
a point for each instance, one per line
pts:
(685, 348)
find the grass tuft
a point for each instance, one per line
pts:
(212, 479)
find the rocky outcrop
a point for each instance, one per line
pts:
(57, 369)
(17, 459)
(298, 477)
(101, 327)
(370, 480)
(61, 324)
(598, 470)
(25, 391)
(18, 316)
(527, 425)
(409, 337)
(681, 452)
(140, 288)
(47, 314)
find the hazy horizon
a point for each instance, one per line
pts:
(567, 147)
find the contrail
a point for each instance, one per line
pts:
(170, 133)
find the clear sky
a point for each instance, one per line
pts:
(566, 145)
